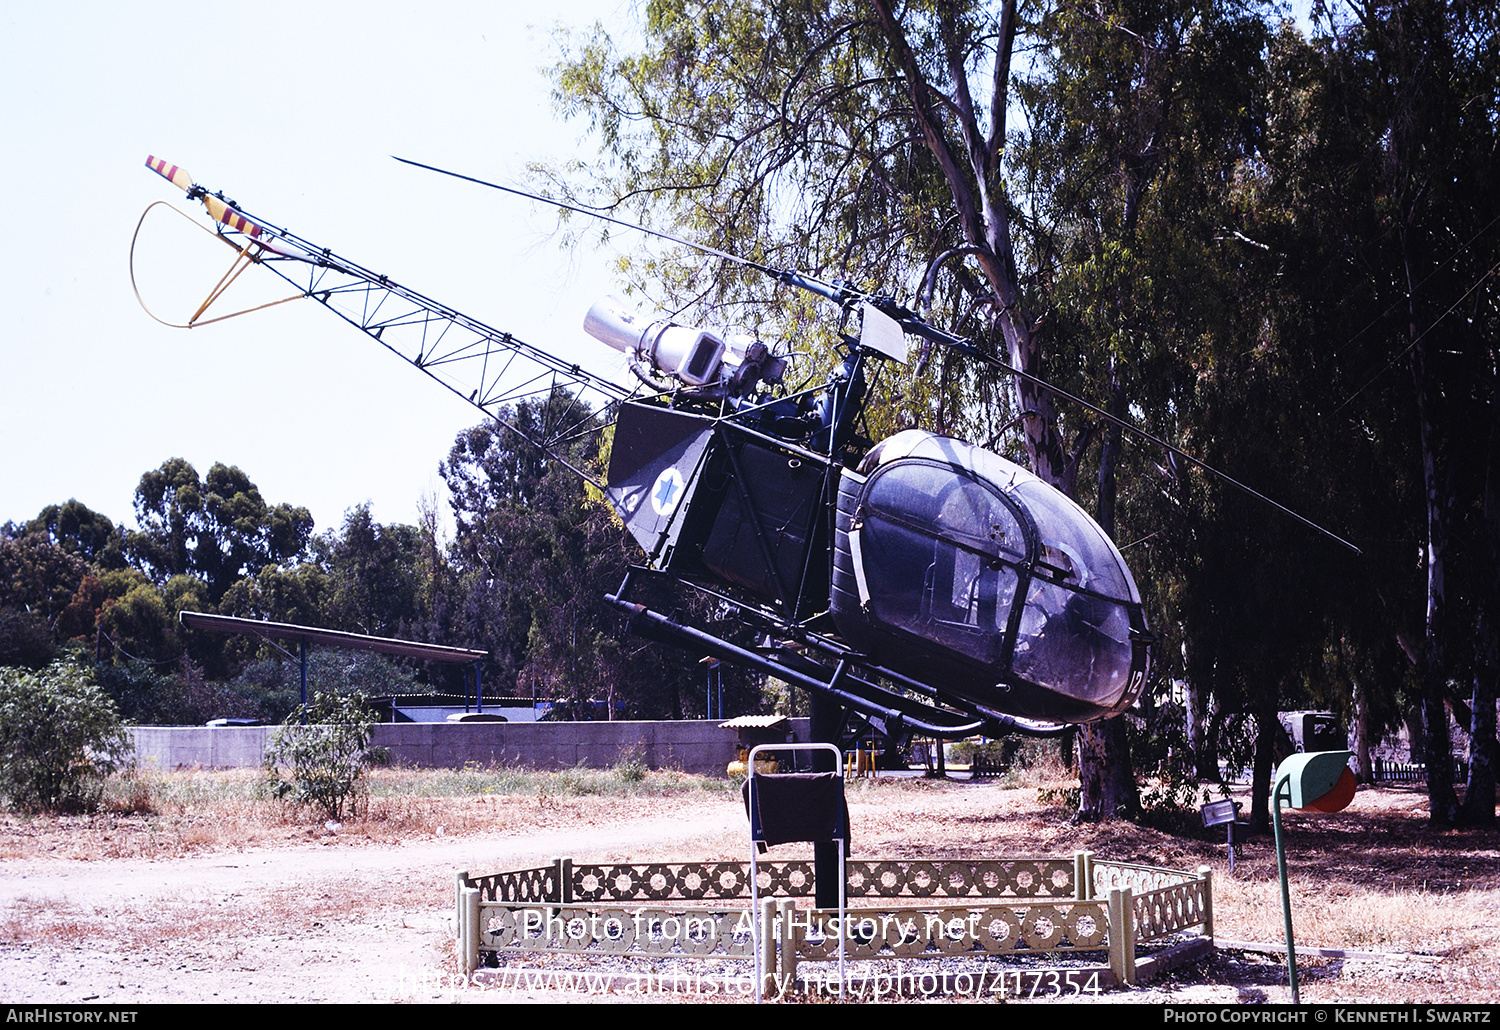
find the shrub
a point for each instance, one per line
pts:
(148, 696)
(60, 737)
(632, 767)
(1059, 797)
(322, 763)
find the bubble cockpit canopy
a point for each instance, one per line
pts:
(959, 567)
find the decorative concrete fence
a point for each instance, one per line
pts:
(899, 909)
(1384, 771)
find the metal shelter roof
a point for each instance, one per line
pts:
(331, 637)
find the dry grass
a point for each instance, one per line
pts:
(1371, 879)
(160, 815)
(142, 927)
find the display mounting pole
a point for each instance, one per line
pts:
(1282, 792)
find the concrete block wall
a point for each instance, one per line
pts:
(695, 747)
(699, 747)
(206, 747)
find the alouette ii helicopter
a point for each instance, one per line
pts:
(920, 582)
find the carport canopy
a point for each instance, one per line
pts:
(331, 637)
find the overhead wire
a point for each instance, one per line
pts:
(911, 322)
(1418, 338)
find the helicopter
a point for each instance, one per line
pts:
(922, 583)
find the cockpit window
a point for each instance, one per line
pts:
(949, 506)
(1070, 641)
(939, 556)
(1064, 528)
(957, 551)
(1075, 643)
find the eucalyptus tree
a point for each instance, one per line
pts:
(1374, 195)
(1140, 117)
(374, 578)
(536, 550)
(218, 528)
(534, 554)
(79, 530)
(1423, 81)
(883, 144)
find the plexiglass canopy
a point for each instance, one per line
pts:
(998, 574)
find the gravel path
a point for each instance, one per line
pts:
(316, 922)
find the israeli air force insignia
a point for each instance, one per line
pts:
(666, 492)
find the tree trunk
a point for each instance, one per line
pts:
(969, 157)
(1478, 808)
(1267, 729)
(1106, 778)
(1416, 736)
(1106, 782)
(1442, 802)
(1484, 753)
(1360, 745)
(1205, 756)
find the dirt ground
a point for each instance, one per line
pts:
(122, 910)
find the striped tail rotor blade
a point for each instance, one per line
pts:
(230, 217)
(227, 214)
(176, 176)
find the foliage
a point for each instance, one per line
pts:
(38, 576)
(137, 618)
(534, 556)
(218, 529)
(628, 777)
(1171, 794)
(79, 530)
(1005, 754)
(321, 763)
(152, 695)
(60, 737)
(372, 575)
(269, 688)
(276, 593)
(631, 767)
(1066, 798)
(25, 640)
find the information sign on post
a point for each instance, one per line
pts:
(1317, 781)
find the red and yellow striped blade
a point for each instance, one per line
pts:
(176, 176)
(220, 211)
(231, 218)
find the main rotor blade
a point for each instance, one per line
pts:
(910, 321)
(913, 324)
(835, 293)
(1158, 441)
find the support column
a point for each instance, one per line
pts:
(827, 724)
(1122, 935)
(469, 931)
(1206, 874)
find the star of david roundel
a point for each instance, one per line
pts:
(666, 492)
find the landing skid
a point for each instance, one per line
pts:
(825, 667)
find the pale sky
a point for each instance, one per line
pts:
(293, 109)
